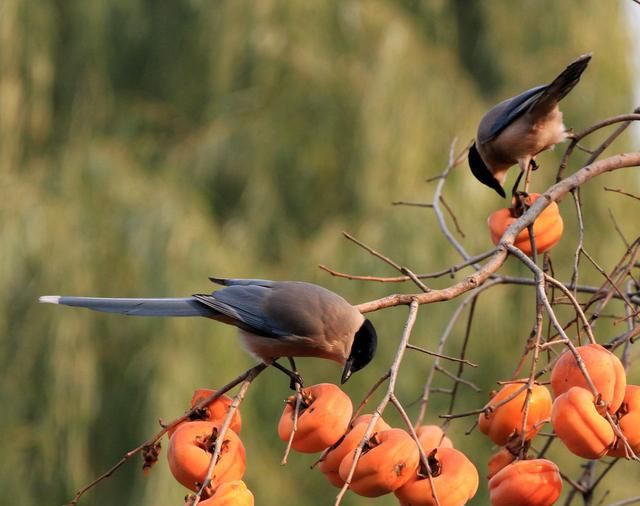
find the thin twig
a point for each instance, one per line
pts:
(617, 190)
(617, 227)
(457, 379)
(453, 162)
(441, 355)
(411, 204)
(371, 391)
(576, 306)
(296, 414)
(400, 279)
(636, 499)
(453, 217)
(623, 118)
(576, 257)
(427, 388)
(386, 259)
(393, 375)
(463, 352)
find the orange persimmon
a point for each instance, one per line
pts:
(330, 465)
(432, 436)
(526, 483)
(499, 460)
(191, 448)
(388, 460)
(629, 420)
(505, 421)
(547, 228)
(215, 411)
(454, 477)
(230, 493)
(604, 368)
(324, 417)
(584, 431)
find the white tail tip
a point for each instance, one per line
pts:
(49, 299)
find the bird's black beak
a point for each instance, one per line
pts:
(346, 372)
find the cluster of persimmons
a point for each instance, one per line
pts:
(390, 461)
(578, 419)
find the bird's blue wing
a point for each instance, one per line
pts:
(512, 109)
(243, 305)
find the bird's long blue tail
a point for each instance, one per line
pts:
(187, 306)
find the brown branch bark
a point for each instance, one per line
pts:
(494, 262)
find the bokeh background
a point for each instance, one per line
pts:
(146, 145)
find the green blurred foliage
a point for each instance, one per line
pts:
(146, 145)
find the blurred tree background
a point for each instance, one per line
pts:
(146, 145)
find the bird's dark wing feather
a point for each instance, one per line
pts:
(512, 109)
(240, 281)
(242, 305)
(560, 86)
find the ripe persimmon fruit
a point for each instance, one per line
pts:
(389, 459)
(455, 480)
(505, 421)
(547, 228)
(191, 448)
(604, 368)
(330, 465)
(579, 425)
(526, 483)
(323, 419)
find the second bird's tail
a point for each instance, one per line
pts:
(562, 85)
(187, 306)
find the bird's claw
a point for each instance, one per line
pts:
(296, 381)
(519, 203)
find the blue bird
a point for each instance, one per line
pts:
(517, 129)
(275, 319)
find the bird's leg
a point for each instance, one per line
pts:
(298, 377)
(293, 374)
(527, 165)
(519, 204)
(531, 166)
(514, 190)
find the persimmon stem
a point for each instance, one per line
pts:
(296, 414)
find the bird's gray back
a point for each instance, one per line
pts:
(310, 310)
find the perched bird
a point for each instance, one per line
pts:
(275, 319)
(519, 128)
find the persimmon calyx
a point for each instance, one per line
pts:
(515, 445)
(208, 442)
(435, 468)
(307, 399)
(371, 443)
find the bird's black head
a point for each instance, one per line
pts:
(482, 173)
(363, 349)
